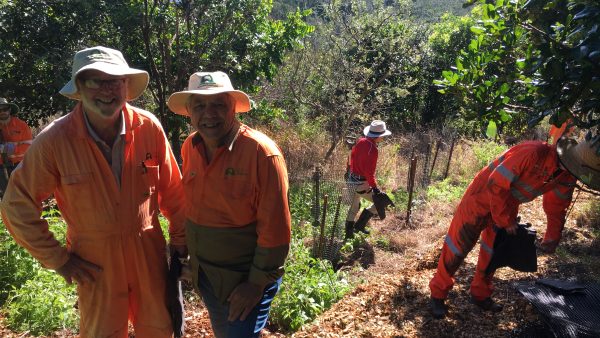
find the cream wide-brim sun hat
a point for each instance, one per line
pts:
(581, 159)
(376, 129)
(208, 83)
(109, 61)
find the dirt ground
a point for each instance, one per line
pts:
(393, 300)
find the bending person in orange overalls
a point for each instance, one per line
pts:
(15, 139)
(492, 200)
(111, 170)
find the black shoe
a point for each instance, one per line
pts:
(487, 304)
(362, 221)
(438, 308)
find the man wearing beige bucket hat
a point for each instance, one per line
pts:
(361, 179)
(111, 169)
(238, 221)
(15, 139)
(491, 204)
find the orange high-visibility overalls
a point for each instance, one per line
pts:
(522, 173)
(115, 227)
(17, 132)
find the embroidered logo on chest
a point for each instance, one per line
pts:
(234, 172)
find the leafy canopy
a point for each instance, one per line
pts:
(532, 58)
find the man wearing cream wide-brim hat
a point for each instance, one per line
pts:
(491, 205)
(112, 171)
(238, 224)
(361, 179)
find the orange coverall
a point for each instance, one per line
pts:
(522, 173)
(18, 133)
(114, 227)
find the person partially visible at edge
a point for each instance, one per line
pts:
(238, 225)
(15, 139)
(111, 169)
(492, 200)
(361, 179)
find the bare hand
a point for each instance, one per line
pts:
(242, 300)
(79, 270)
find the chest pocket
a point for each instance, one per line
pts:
(79, 193)
(150, 177)
(237, 187)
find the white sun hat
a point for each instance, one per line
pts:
(109, 61)
(208, 83)
(376, 129)
(581, 159)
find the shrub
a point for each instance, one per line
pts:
(37, 300)
(16, 265)
(309, 287)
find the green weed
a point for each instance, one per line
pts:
(445, 190)
(42, 305)
(35, 299)
(485, 152)
(310, 287)
(383, 242)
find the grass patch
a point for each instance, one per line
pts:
(485, 152)
(446, 190)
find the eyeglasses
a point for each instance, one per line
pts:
(5, 108)
(100, 83)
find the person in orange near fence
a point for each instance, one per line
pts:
(238, 224)
(15, 139)
(111, 169)
(519, 175)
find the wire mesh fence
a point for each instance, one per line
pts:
(320, 188)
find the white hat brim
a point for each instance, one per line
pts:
(138, 79)
(368, 134)
(566, 149)
(177, 101)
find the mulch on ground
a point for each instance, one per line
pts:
(393, 301)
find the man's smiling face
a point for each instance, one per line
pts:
(102, 95)
(213, 116)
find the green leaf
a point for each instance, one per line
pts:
(477, 30)
(492, 130)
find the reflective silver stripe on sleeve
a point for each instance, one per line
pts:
(517, 194)
(492, 166)
(560, 195)
(528, 188)
(486, 247)
(506, 173)
(567, 184)
(453, 247)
